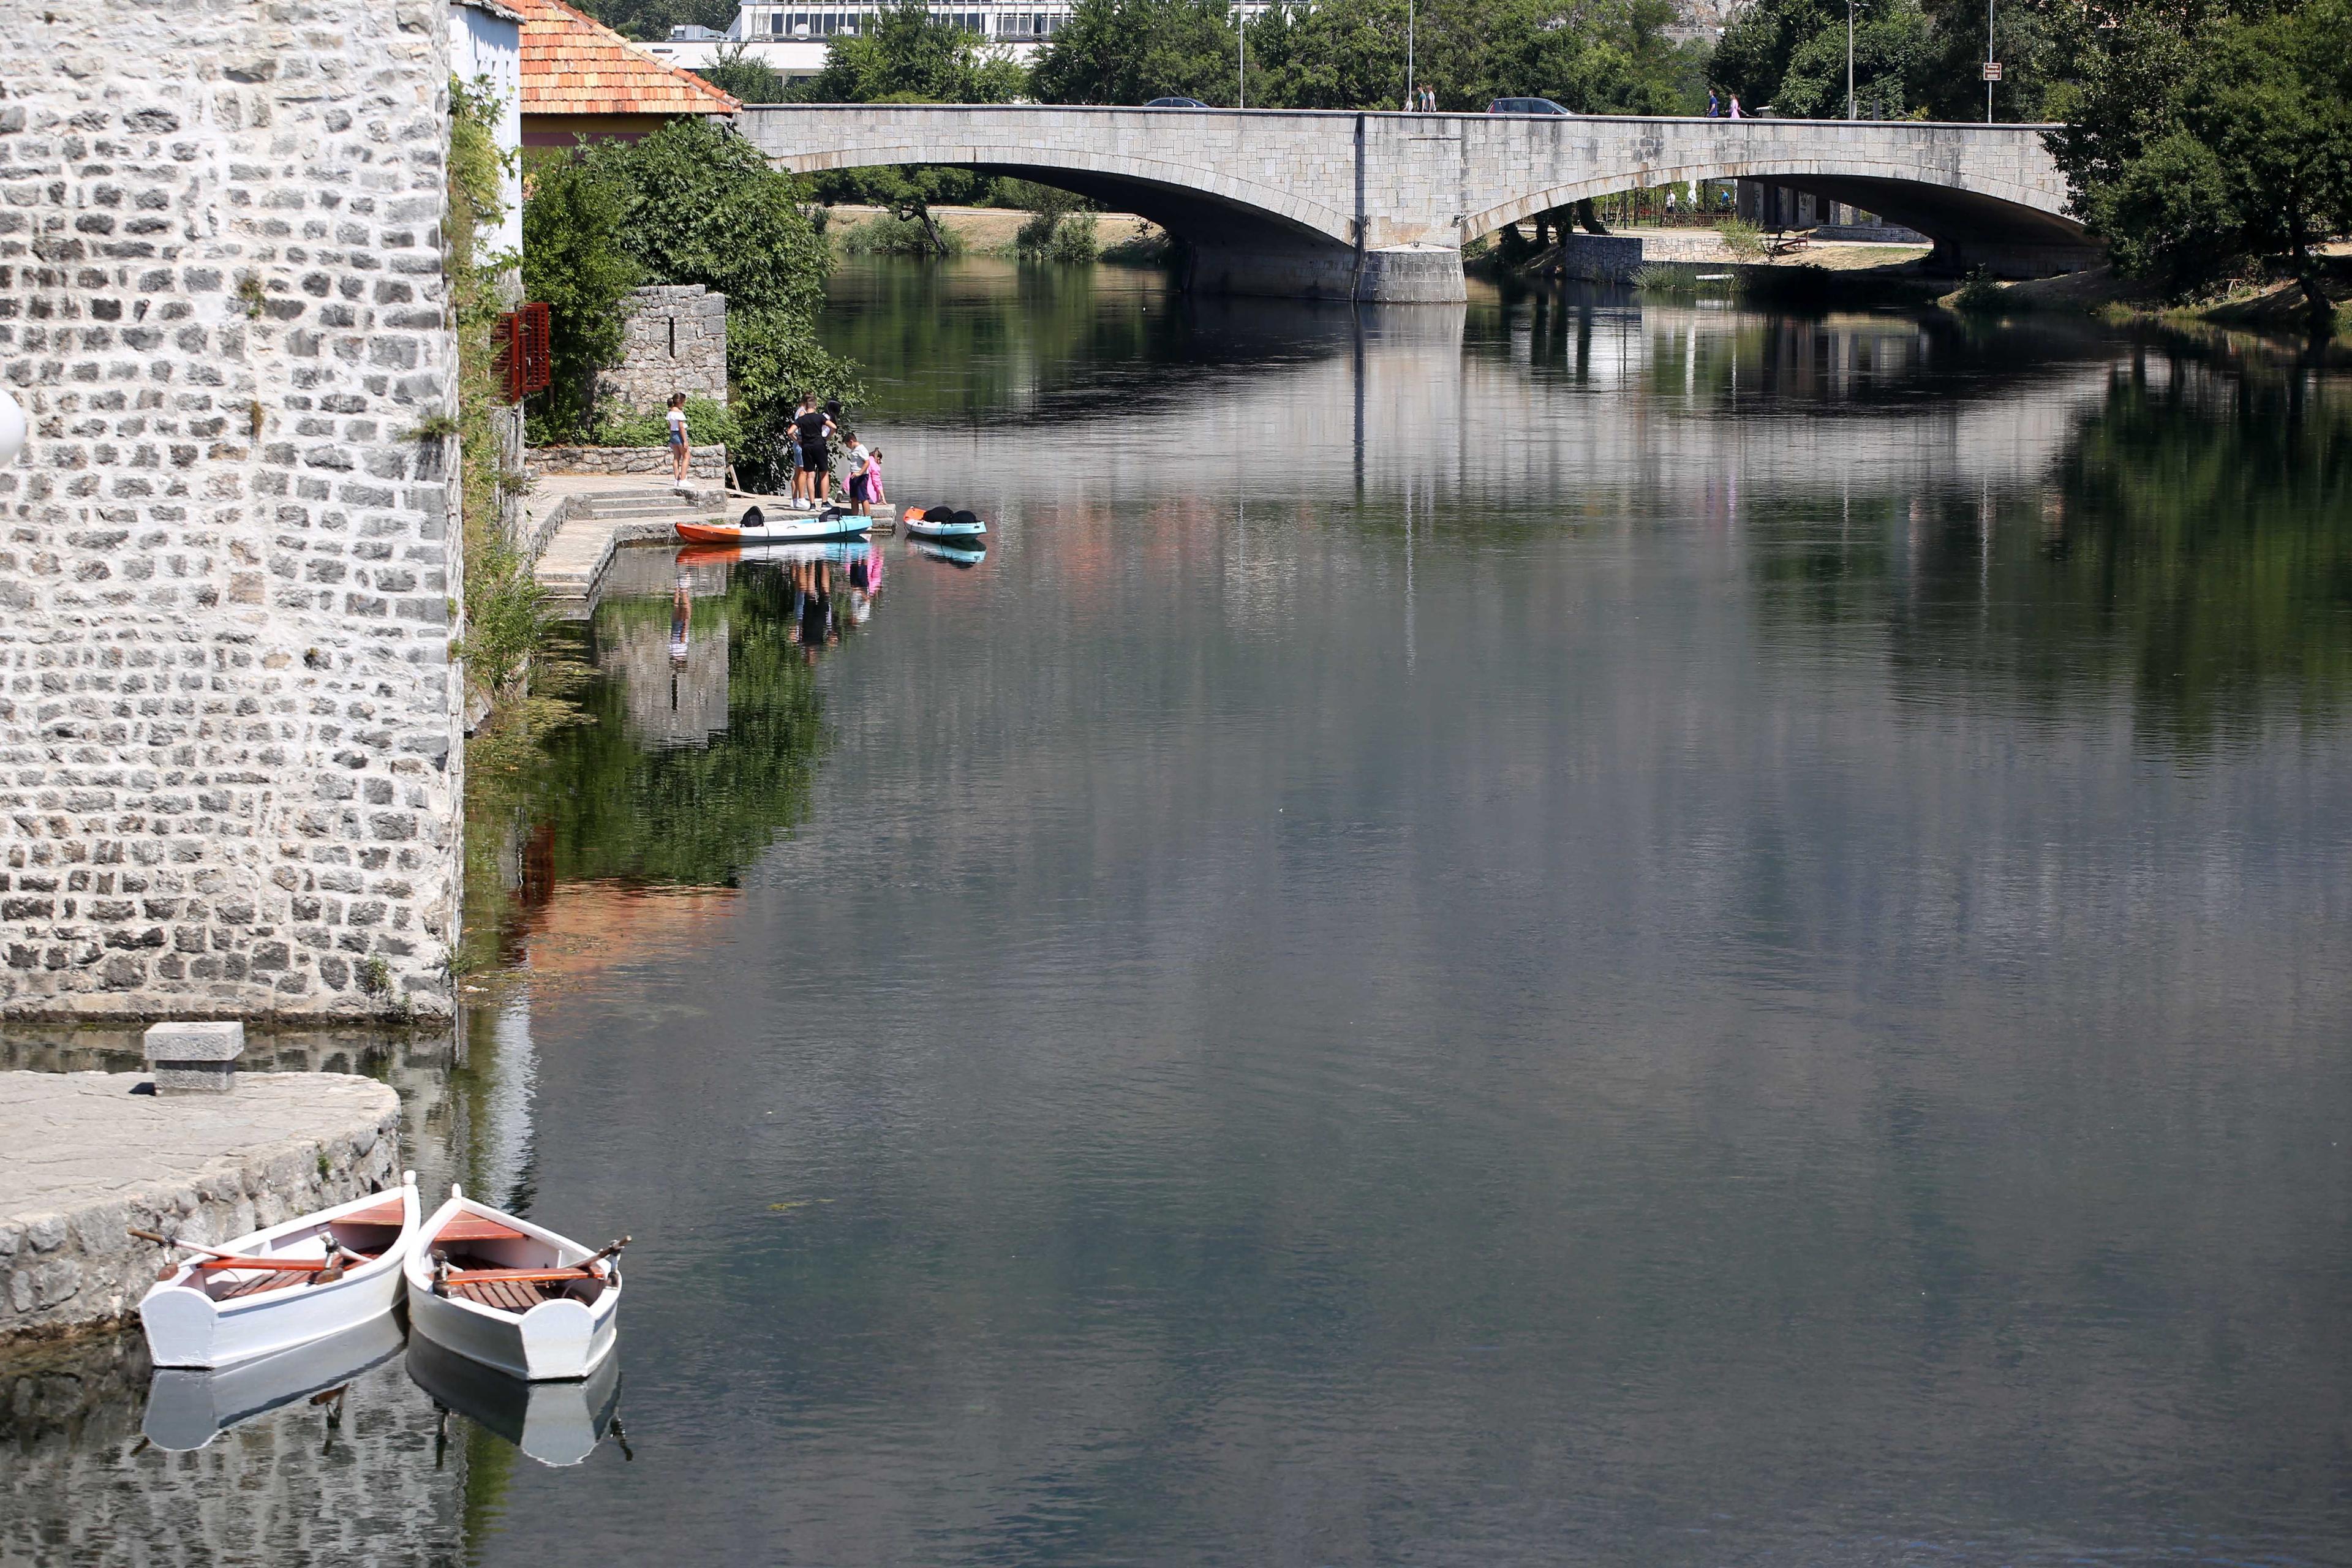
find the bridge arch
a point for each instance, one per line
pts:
(1195, 200)
(1962, 211)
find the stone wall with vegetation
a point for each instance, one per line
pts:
(228, 716)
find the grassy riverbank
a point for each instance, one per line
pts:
(982, 231)
(2264, 307)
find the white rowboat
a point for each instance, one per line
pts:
(488, 1306)
(273, 1291)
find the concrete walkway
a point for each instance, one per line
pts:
(576, 521)
(82, 1158)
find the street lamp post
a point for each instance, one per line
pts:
(1988, 62)
(1849, 60)
(1241, 93)
(1411, 78)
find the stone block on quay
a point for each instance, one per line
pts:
(195, 1057)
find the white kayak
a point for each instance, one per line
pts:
(187, 1408)
(759, 525)
(511, 1294)
(953, 527)
(273, 1290)
(554, 1423)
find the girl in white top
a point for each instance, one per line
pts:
(678, 447)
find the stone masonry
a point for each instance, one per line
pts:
(1378, 205)
(674, 339)
(82, 1160)
(229, 760)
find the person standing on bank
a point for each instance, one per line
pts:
(679, 449)
(816, 462)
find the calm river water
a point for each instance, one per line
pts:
(1574, 932)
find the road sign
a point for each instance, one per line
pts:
(1992, 71)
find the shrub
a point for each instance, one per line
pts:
(706, 422)
(882, 234)
(1068, 237)
(1653, 279)
(1981, 293)
(1741, 238)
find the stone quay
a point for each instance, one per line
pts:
(86, 1156)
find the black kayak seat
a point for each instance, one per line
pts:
(964, 518)
(753, 518)
(939, 514)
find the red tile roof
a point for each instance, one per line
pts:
(573, 64)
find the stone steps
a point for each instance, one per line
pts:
(598, 519)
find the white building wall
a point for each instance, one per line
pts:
(485, 40)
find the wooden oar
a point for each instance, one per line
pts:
(215, 1259)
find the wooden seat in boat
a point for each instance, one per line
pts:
(270, 1279)
(506, 1295)
(389, 1214)
(473, 1227)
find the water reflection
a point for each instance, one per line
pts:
(187, 1409)
(554, 1424)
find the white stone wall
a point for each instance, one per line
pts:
(229, 760)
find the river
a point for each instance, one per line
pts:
(1575, 931)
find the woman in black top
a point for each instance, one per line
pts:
(814, 480)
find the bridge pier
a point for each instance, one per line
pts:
(1403, 275)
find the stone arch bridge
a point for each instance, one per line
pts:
(1378, 205)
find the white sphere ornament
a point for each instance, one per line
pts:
(12, 427)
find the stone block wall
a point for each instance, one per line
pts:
(701, 462)
(674, 339)
(229, 761)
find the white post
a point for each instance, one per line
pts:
(1413, 81)
(1241, 96)
(1988, 62)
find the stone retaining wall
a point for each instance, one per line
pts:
(229, 725)
(701, 462)
(673, 338)
(82, 1158)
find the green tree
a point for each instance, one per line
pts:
(698, 205)
(2199, 144)
(573, 259)
(1790, 55)
(733, 72)
(1602, 57)
(1132, 51)
(650, 20)
(906, 55)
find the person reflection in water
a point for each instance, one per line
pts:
(815, 585)
(681, 613)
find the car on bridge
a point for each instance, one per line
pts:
(1524, 106)
(1175, 103)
